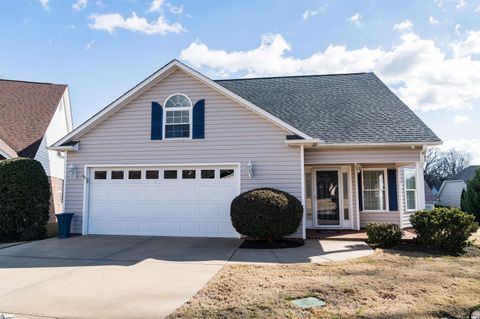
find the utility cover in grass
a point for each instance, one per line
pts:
(309, 302)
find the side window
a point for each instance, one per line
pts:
(170, 174)
(207, 174)
(134, 174)
(188, 174)
(116, 175)
(151, 174)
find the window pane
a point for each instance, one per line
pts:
(410, 179)
(208, 173)
(411, 200)
(373, 180)
(100, 175)
(170, 174)
(117, 175)
(188, 174)
(178, 101)
(151, 174)
(227, 173)
(134, 174)
(374, 200)
(177, 131)
(308, 191)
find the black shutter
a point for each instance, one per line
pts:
(157, 121)
(199, 120)
(392, 189)
(360, 192)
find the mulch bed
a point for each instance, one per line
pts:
(276, 244)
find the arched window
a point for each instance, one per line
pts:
(178, 116)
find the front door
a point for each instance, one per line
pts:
(327, 198)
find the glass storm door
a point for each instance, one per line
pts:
(327, 199)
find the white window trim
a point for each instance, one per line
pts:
(190, 117)
(387, 203)
(406, 190)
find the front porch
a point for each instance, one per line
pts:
(349, 235)
(347, 189)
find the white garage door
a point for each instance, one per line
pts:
(162, 201)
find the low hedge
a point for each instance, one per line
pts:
(24, 199)
(443, 228)
(266, 213)
(386, 235)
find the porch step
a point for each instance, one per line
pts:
(350, 235)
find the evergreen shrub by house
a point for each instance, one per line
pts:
(386, 235)
(24, 199)
(471, 196)
(443, 228)
(266, 213)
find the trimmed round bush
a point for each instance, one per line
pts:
(443, 228)
(24, 199)
(266, 213)
(386, 235)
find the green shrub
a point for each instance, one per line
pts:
(24, 199)
(443, 228)
(266, 213)
(471, 196)
(386, 235)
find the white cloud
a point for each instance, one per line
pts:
(113, 21)
(156, 5)
(355, 19)
(477, 9)
(309, 13)
(44, 4)
(418, 71)
(403, 26)
(471, 45)
(89, 45)
(175, 9)
(459, 119)
(457, 28)
(80, 5)
(460, 3)
(471, 146)
(432, 20)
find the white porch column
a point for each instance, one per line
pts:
(355, 191)
(421, 182)
(302, 172)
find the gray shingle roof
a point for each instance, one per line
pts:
(342, 108)
(466, 174)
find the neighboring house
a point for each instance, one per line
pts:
(32, 116)
(168, 156)
(450, 193)
(430, 199)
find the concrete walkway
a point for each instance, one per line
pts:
(314, 251)
(130, 276)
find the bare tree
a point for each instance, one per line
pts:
(442, 165)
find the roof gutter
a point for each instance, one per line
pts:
(353, 145)
(63, 148)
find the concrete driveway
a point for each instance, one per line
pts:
(107, 276)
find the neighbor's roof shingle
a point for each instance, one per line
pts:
(466, 174)
(26, 109)
(341, 108)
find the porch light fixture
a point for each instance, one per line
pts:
(250, 169)
(71, 171)
(359, 168)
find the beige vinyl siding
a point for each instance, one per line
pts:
(383, 217)
(361, 156)
(232, 134)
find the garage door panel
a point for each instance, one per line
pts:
(164, 207)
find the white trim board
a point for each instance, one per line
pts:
(155, 78)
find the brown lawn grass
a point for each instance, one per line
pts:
(388, 284)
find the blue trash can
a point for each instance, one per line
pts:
(64, 222)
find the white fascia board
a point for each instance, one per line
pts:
(153, 79)
(6, 150)
(63, 148)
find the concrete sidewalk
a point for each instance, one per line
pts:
(314, 251)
